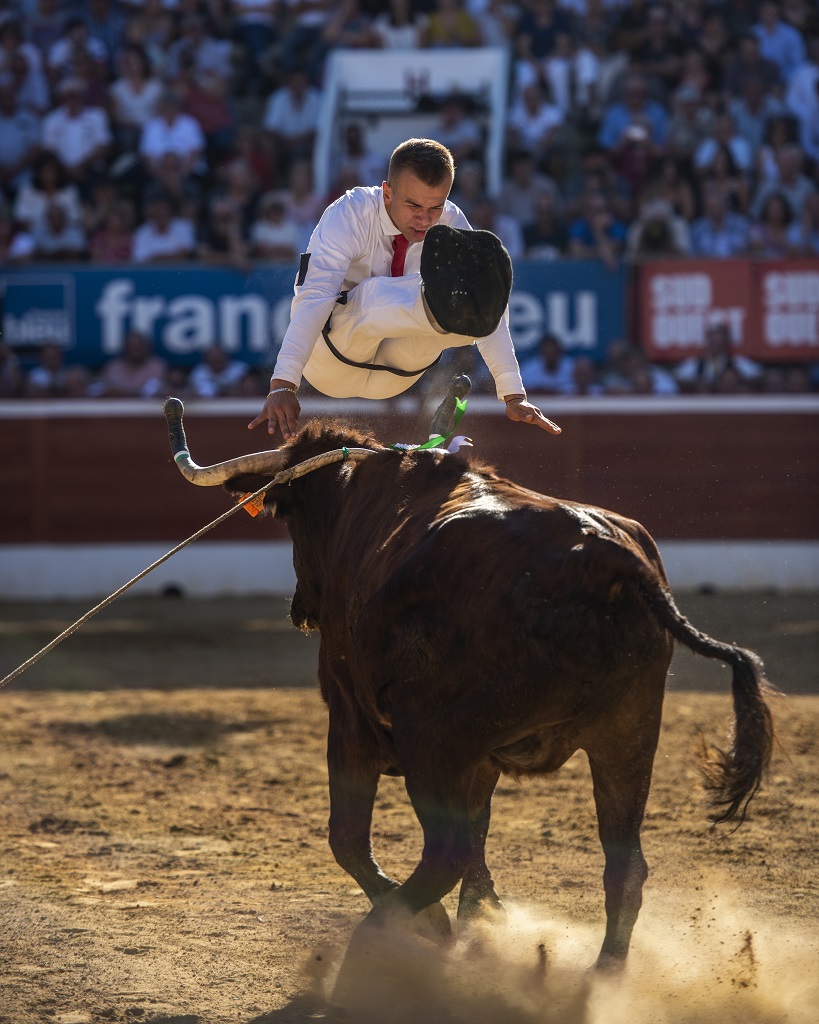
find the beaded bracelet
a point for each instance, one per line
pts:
(276, 391)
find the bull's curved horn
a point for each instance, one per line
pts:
(209, 476)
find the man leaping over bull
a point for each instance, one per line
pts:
(394, 275)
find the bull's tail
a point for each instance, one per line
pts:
(732, 776)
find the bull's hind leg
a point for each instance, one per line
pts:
(622, 777)
(478, 894)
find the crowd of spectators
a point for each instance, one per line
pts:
(164, 130)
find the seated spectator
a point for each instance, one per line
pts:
(690, 123)
(671, 181)
(802, 98)
(56, 238)
(357, 159)
(597, 174)
(584, 379)
(485, 217)
(768, 237)
(791, 183)
(63, 57)
(171, 131)
(163, 238)
(209, 57)
(747, 63)
(450, 25)
(572, 74)
(597, 233)
(301, 202)
(779, 132)
(458, 131)
(703, 373)
(636, 108)
(751, 110)
(106, 24)
(719, 232)
(723, 173)
(291, 119)
(134, 97)
(11, 373)
(274, 235)
(350, 27)
(222, 239)
(52, 377)
(533, 123)
(256, 28)
(550, 371)
(137, 373)
(16, 242)
(628, 372)
(634, 160)
(778, 41)
(523, 186)
(113, 241)
(251, 148)
(660, 53)
(24, 62)
(217, 375)
(724, 136)
(238, 183)
(206, 101)
(45, 24)
(803, 234)
(657, 231)
(304, 40)
(469, 186)
(20, 132)
(171, 178)
(80, 135)
(537, 29)
(104, 195)
(545, 237)
(399, 27)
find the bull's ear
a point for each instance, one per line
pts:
(246, 483)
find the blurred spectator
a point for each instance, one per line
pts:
(672, 182)
(546, 236)
(768, 237)
(537, 30)
(485, 217)
(171, 131)
(64, 56)
(11, 373)
(704, 373)
(748, 62)
(778, 41)
(458, 131)
(171, 179)
(238, 184)
(113, 241)
(56, 238)
(291, 119)
(80, 135)
(217, 375)
(20, 132)
(301, 202)
(356, 157)
(45, 24)
(256, 29)
(251, 148)
(779, 132)
(803, 234)
(634, 160)
(53, 378)
(163, 237)
(584, 379)
(627, 372)
(134, 97)
(205, 99)
(631, 27)
(803, 98)
(549, 370)
(691, 123)
(724, 174)
(16, 242)
(49, 184)
(751, 111)
(469, 186)
(719, 232)
(274, 235)
(657, 231)
(523, 186)
(533, 123)
(791, 182)
(103, 196)
(714, 42)
(724, 136)
(597, 174)
(137, 373)
(660, 54)
(24, 62)
(222, 238)
(399, 27)
(597, 233)
(636, 109)
(350, 27)
(451, 25)
(207, 56)
(105, 24)
(303, 42)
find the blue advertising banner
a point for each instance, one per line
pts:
(186, 309)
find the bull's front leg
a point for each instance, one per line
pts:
(478, 894)
(353, 763)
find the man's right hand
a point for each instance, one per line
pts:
(281, 410)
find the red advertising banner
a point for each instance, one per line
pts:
(771, 308)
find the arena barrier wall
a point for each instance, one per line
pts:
(729, 487)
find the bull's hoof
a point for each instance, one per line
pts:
(475, 909)
(610, 963)
(433, 923)
(430, 923)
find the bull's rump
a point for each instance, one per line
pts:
(526, 623)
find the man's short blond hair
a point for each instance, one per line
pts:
(427, 159)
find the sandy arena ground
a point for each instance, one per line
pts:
(164, 852)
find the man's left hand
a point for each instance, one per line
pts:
(520, 410)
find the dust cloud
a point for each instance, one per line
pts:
(695, 959)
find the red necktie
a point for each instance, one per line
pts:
(399, 250)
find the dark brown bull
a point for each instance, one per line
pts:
(471, 627)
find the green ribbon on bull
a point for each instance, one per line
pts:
(435, 442)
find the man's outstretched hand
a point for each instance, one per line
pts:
(521, 411)
(281, 410)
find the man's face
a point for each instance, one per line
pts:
(413, 206)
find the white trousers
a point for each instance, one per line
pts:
(384, 322)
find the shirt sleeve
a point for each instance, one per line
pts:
(340, 238)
